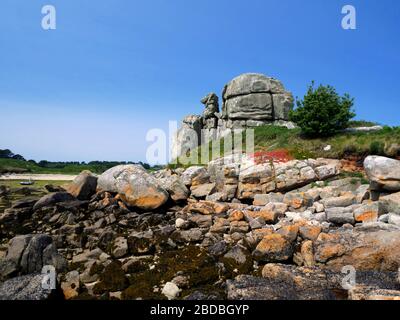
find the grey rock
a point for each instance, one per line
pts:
(28, 287)
(340, 215)
(257, 106)
(391, 203)
(135, 185)
(383, 173)
(83, 186)
(283, 104)
(249, 83)
(52, 199)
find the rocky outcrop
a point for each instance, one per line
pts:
(250, 100)
(236, 229)
(256, 97)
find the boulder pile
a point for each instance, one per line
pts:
(232, 230)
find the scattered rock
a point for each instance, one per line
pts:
(171, 290)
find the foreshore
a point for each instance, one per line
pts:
(38, 177)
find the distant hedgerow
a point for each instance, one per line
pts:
(323, 112)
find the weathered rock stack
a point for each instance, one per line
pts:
(250, 100)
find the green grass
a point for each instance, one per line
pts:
(270, 138)
(15, 184)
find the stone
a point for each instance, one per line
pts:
(218, 249)
(211, 106)
(192, 235)
(202, 190)
(307, 253)
(394, 218)
(175, 187)
(264, 199)
(238, 260)
(297, 200)
(391, 203)
(201, 221)
(27, 288)
(281, 282)
(70, 286)
(188, 137)
(135, 186)
(310, 232)
(365, 293)
(364, 250)
(362, 193)
(368, 212)
(87, 255)
(53, 198)
(342, 201)
(84, 186)
(192, 172)
(181, 224)
(239, 226)
(273, 248)
(383, 173)
(268, 216)
(340, 215)
(283, 104)
(120, 248)
(256, 106)
(204, 208)
(249, 83)
(171, 290)
(327, 171)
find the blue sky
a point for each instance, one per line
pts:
(112, 70)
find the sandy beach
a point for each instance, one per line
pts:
(38, 177)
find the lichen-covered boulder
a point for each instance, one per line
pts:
(135, 186)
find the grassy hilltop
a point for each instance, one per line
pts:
(385, 142)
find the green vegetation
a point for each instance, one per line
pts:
(15, 184)
(323, 112)
(362, 123)
(9, 162)
(270, 138)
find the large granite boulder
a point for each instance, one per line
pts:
(248, 83)
(135, 186)
(383, 173)
(253, 96)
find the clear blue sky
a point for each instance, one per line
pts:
(112, 70)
